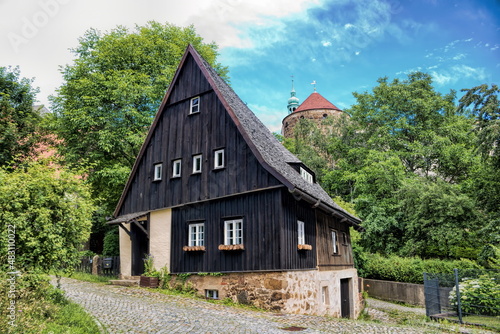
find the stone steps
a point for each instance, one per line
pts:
(126, 281)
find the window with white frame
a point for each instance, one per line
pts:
(197, 234)
(219, 159)
(301, 232)
(233, 232)
(157, 172)
(195, 105)
(306, 175)
(176, 168)
(197, 163)
(212, 294)
(335, 242)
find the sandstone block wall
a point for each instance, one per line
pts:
(317, 115)
(300, 292)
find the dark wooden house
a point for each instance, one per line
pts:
(213, 191)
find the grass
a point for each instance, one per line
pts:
(484, 321)
(88, 277)
(41, 308)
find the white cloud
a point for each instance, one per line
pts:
(459, 56)
(456, 73)
(326, 43)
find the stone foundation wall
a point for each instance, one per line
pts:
(300, 292)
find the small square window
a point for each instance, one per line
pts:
(157, 172)
(212, 294)
(197, 234)
(219, 159)
(197, 163)
(233, 232)
(176, 168)
(195, 105)
(301, 233)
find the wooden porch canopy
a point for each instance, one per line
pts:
(130, 218)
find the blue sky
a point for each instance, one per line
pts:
(344, 46)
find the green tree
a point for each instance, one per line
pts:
(49, 211)
(486, 106)
(110, 95)
(18, 119)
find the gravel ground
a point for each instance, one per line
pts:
(135, 310)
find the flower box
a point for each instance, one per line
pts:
(304, 247)
(149, 282)
(231, 247)
(193, 248)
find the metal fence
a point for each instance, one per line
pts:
(466, 296)
(105, 266)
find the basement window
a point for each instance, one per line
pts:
(212, 294)
(195, 105)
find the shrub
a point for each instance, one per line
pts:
(478, 295)
(111, 243)
(407, 269)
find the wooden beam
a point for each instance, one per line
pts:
(126, 231)
(140, 227)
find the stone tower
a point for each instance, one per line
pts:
(315, 108)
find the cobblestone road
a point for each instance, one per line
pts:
(135, 310)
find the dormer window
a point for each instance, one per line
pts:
(157, 172)
(306, 175)
(195, 105)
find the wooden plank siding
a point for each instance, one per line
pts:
(261, 213)
(291, 257)
(179, 135)
(326, 259)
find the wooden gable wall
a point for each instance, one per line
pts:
(179, 135)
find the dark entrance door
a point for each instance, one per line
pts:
(345, 305)
(140, 247)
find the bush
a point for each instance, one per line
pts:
(111, 243)
(407, 269)
(478, 295)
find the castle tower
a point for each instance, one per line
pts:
(315, 108)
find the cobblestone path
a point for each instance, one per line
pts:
(135, 310)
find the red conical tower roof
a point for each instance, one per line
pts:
(316, 101)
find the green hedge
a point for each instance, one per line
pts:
(408, 270)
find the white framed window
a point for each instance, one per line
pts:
(196, 234)
(212, 294)
(335, 242)
(194, 105)
(301, 232)
(176, 168)
(197, 163)
(219, 159)
(157, 172)
(306, 175)
(233, 232)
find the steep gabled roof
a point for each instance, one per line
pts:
(316, 101)
(272, 155)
